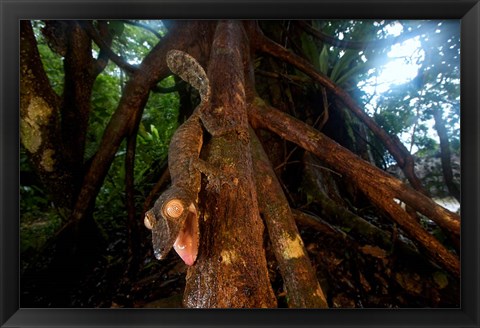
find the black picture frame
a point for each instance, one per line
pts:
(468, 11)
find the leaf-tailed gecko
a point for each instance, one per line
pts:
(175, 215)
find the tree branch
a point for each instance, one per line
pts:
(79, 68)
(317, 224)
(395, 147)
(133, 232)
(361, 45)
(445, 154)
(301, 284)
(103, 57)
(369, 178)
(119, 61)
(105, 50)
(131, 104)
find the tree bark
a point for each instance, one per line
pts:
(80, 74)
(40, 130)
(231, 269)
(301, 284)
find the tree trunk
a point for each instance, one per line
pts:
(231, 269)
(445, 155)
(301, 284)
(40, 131)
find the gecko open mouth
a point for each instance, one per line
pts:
(186, 244)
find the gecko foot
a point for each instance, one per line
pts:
(215, 176)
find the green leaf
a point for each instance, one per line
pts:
(343, 64)
(143, 132)
(323, 60)
(352, 72)
(154, 131)
(310, 49)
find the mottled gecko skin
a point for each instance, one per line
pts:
(174, 217)
(180, 231)
(187, 67)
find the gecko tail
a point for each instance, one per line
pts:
(190, 70)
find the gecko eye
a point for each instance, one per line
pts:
(149, 221)
(173, 208)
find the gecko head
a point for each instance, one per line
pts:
(174, 223)
(160, 233)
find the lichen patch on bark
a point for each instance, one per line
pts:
(228, 256)
(319, 293)
(37, 114)
(293, 247)
(48, 162)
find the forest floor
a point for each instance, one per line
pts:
(351, 278)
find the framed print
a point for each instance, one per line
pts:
(241, 164)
